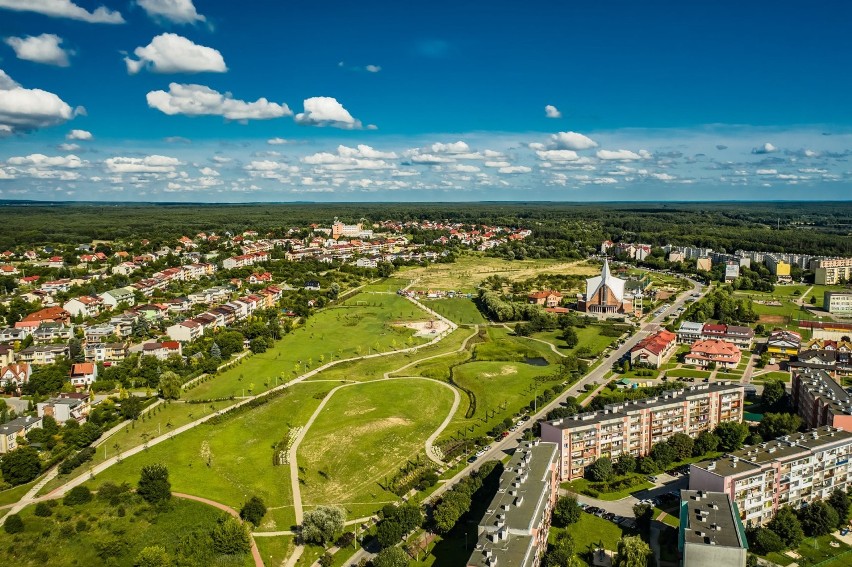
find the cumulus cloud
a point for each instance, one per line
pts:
(79, 135)
(766, 148)
(174, 11)
(557, 155)
(618, 155)
(497, 164)
(23, 110)
(41, 160)
(276, 141)
(70, 147)
(451, 148)
(172, 53)
(372, 68)
(199, 100)
(147, 164)
(515, 169)
(351, 159)
(64, 9)
(42, 48)
(767, 172)
(326, 111)
(364, 151)
(572, 141)
(463, 168)
(552, 112)
(431, 159)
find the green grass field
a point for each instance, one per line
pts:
(12, 495)
(241, 463)
(364, 434)
(459, 310)
(364, 323)
(589, 336)
(78, 535)
(577, 486)
(275, 550)
(390, 285)
(589, 531)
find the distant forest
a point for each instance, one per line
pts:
(811, 228)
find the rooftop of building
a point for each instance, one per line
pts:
(617, 411)
(750, 458)
(820, 384)
(710, 518)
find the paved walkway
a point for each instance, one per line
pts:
(255, 553)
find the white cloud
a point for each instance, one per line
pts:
(373, 68)
(69, 147)
(364, 151)
(78, 135)
(209, 172)
(148, 164)
(451, 148)
(64, 9)
(558, 155)
(172, 53)
(6, 174)
(350, 159)
(326, 111)
(276, 141)
(663, 176)
(552, 112)
(22, 110)
(174, 11)
(766, 148)
(431, 159)
(463, 168)
(515, 169)
(497, 164)
(572, 141)
(604, 180)
(198, 100)
(41, 160)
(621, 155)
(767, 172)
(536, 146)
(42, 48)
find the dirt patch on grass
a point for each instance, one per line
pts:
(359, 411)
(426, 328)
(773, 319)
(507, 370)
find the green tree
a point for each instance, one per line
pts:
(231, 537)
(388, 533)
(839, 500)
(253, 511)
(664, 454)
(731, 435)
(775, 425)
(601, 470)
(43, 510)
(391, 557)
(169, 385)
(153, 556)
(561, 552)
(78, 495)
(154, 486)
(131, 407)
(786, 524)
(773, 393)
(566, 511)
(20, 466)
(818, 519)
(682, 445)
(13, 524)
(322, 524)
(632, 552)
(765, 541)
(706, 442)
(626, 464)
(258, 345)
(644, 513)
(569, 335)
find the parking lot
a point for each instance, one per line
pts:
(664, 494)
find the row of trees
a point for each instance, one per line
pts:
(788, 528)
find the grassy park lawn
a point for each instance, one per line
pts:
(783, 376)
(241, 462)
(589, 531)
(687, 373)
(581, 484)
(819, 293)
(275, 550)
(459, 310)
(364, 323)
(57, 540)
(389, 285)
(12, 495)
(469, 270)
(364, 434)
(589, 336)
(816, 550)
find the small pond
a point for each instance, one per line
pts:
(537, 361)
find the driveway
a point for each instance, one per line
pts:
(624, 507)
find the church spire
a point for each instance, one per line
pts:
(605, 270)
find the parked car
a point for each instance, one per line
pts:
(653, 479)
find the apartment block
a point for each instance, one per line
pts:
(635, 426)
(513, 531)
(837, 302)
(820, 400)
(830, 271)
(711, 532)
(793, 470)
(690, 332)
(778, 267)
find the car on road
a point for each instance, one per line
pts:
(472, 459)
(653, 479)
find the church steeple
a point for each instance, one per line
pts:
(605, 271)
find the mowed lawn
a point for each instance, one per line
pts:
(367, 322)
(589, 336)
(242, 451)
(461, 310)
(363, 435)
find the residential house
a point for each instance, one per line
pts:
(43, 354)
(312, 285)
(49, 315)
(783, 344)
(185, 331)
(15, 375)
(98, 333)
(83, 373)
(19, 427)
(162, 350)
(654, 349)
(85, 306)
(689, 332)
(50, 332)
(113, 297)
(7, 355)
(546, 298)
(12, 334)
(708, 351)
(259, 278)
(65, 407)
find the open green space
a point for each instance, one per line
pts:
(98, 533)
(363, 435)
(12, 495)
(365, 323)
(460, 310)
(240, 454)
(817, 550)
(389, 285)
(589, 336)
(275, 550)
(579, 485)
(589, 531)
(783, 376)
(818, 292)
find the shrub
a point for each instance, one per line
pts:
(13, 524)
(253, 510)
(43, 510)
(154, 486)
(78, 495)
(231, 537)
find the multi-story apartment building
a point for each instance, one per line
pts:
(820, 400)
(837, 302)
(794, 470)
(635, 426)
(830, 271)
(690, 332)
(778, 267)
(513, 530)
(711, 532)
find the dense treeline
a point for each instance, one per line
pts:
(559, 229)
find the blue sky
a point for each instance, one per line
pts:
(182, 100)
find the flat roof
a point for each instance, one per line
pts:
(618, 411)
(820, 384)
(710, 518)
